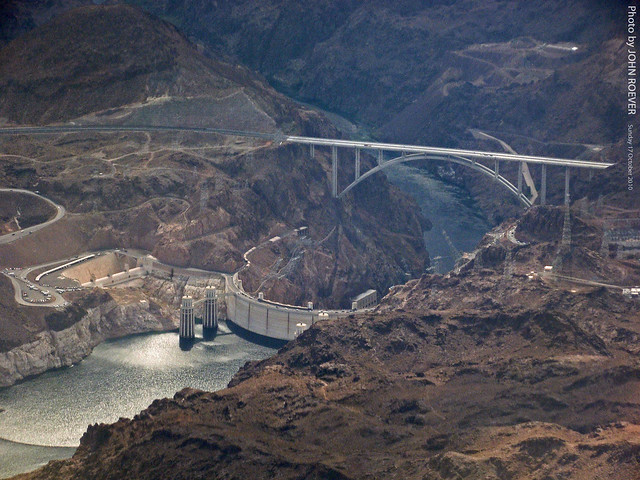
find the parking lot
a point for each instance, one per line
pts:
(47, 292)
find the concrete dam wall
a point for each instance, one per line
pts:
(270, 320)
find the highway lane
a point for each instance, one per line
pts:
(581, 281)
(281, 138)
(12, 237)
(479, 155)
(507, 148)
(134, 128)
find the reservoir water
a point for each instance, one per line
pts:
(119, 379)
(45, 417)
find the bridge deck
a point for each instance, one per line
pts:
(279, 137)
(477, 154)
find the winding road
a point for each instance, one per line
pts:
(280, 137)
(21, 284)
(11, 237)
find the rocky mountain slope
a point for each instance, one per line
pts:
(191, 200)
(34, 342)
(95, 58)
(488, 65)
(496, 370)
(545, 77)
(507, 67)
(18, 17)
(22, 211)
(482, 373)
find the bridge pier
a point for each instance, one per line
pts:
(380, 157)
(496, 169)
(357, 163)
(543, 186)
(187, 320)
(334, 171)
(312, 151)
(519, 179)
(210, 317)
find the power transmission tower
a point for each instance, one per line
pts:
(454, 250)
(436, 264)
(508, 264)
(565, 243)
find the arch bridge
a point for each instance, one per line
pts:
(469, 158)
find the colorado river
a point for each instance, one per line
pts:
(448, 208)
(119, 379)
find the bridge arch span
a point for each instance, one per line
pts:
(446, 158)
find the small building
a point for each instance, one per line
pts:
(368, 299)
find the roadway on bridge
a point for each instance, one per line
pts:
(11, 237)
(477, 154)
(329, 142)
(480, 135)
